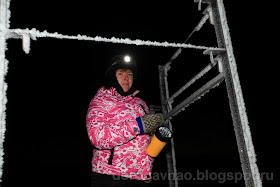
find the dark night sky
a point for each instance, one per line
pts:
(49, 89)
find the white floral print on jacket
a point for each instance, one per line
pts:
(111, 124)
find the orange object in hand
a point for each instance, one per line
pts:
(161, 137)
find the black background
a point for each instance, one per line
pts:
(50, 88)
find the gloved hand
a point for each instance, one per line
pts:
(149, 122)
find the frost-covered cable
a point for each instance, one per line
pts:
(34, 34)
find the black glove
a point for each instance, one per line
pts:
(149, 122)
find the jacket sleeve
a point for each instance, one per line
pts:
(106, 132)
(144, 105)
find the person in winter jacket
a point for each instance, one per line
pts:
(119, 127)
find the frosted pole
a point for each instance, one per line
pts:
(170, 155)
(236, 101)
(4, 24)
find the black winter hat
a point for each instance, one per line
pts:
(120, 62)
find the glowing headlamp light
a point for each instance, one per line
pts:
(127, 59)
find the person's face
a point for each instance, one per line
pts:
(125, 78)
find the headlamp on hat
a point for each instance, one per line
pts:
(127, 59)
(120, 62)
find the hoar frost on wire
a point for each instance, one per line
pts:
(33, 33)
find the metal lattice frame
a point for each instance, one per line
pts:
(215, 12)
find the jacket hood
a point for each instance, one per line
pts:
(120, 62)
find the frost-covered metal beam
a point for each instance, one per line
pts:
(4, 14)
(192, 80)
(202, 1)
(214, 51)
(196, 95)
(166, 107)
(4, 24)
(236, 101)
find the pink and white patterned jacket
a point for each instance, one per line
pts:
(111, 124)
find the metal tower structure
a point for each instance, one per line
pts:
(224, 58)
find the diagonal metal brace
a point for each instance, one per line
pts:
(212, 83)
